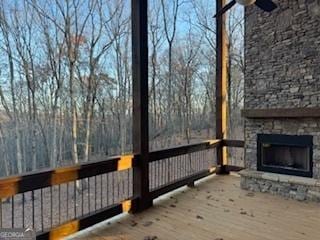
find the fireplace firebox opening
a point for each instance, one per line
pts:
(285, 154)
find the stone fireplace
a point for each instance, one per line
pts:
(285, 154)
(282, 100)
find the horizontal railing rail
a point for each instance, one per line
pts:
(10, 186)
(185, 149)
(181, 182)
(90, 183)
(233, 143)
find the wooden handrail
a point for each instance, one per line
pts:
(181, 150)
(10, 186)
(233, 143)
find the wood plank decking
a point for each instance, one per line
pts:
(216, 209)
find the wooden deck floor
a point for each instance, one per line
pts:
(216, 209)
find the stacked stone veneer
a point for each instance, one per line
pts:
(282, 53)
(298, 188)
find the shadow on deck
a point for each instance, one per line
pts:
(216, 209)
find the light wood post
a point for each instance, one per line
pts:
(221, 86)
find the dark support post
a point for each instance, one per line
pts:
(140, 104)
(221, 86)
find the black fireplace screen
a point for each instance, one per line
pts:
(286, 154)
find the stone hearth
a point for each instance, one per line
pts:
(282, 53)
(299, 188)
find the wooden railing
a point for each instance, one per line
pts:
(62, 201)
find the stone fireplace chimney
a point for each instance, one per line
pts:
(282, 97)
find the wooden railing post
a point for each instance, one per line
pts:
(221, 86)
(140, 124)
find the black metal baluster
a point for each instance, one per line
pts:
(183, 165)
(67, 201)
(41, 207)
(129, 183)
(118, 185)
(75, 198)
(173, 170)
(151, 175)
(0, 213)
(159, 173)
(33, 214)
(95, 193)
(120, 181)
(123, 186)
(88, 195)
(155, 175)
(51, 207)
(190, 159)
(59, 195)
(179, 167)
(112, 178)
(155, 169)
(108, 189)
(82, 197)
(163, 172)
(23, 200)
(176, 169)
(196, 161)
(180, 163)
(101, 188)
(199, 161)
(167, 170)
(12, 211)
(187, 161)
(193, 162)
(203, 159)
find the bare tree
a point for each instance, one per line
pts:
(170, 11)
(4, 25)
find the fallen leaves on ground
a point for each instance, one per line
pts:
(133, 223)
(250, 194)
(150, 238)
(243, 212)
(147, 224)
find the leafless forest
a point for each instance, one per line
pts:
(65, 78)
